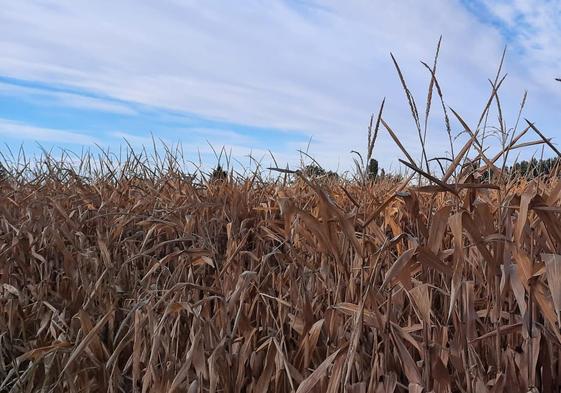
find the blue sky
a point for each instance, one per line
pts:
(255, 76)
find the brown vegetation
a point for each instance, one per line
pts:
(163, 285)
(135, 278)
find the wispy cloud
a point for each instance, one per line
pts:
(297, 67)
(20, 132)
(49, 97)
(534, 28)
(136, 140)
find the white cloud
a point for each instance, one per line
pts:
(24, 132)
(319, 70)
(137, 140)
(73, 100)
(535, 28)
(84, 102)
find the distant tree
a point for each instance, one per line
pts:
(373, 169)
(534, 167)
(218, 174)
(314, 170)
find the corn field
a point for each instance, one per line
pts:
(131, 277)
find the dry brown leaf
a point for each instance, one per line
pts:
(310, 382)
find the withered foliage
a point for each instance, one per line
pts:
(132, 278)
(163, 284)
